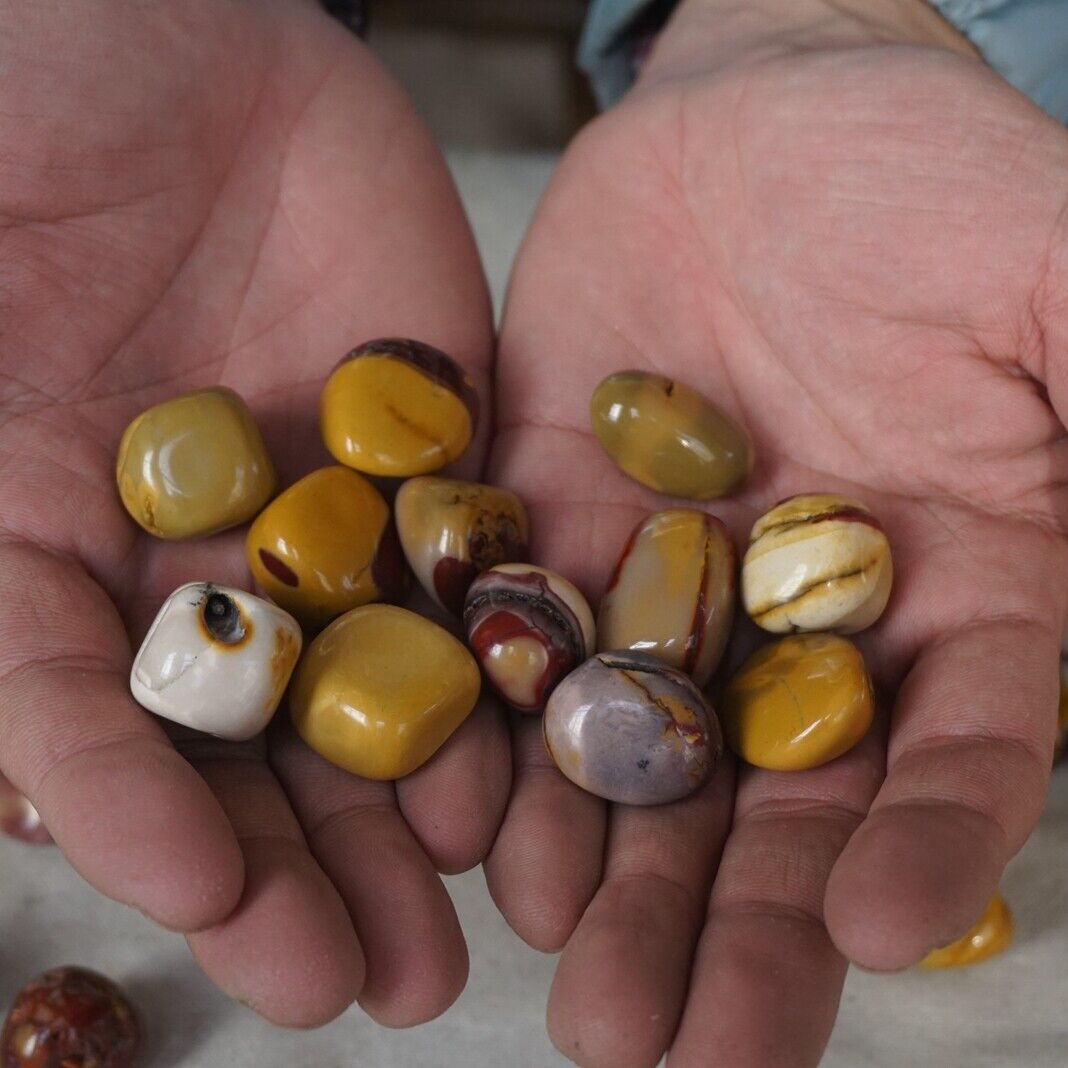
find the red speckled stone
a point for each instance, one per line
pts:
(70, 1018)
(18, 818)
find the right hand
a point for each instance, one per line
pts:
(214, 192)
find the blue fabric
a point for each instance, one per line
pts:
(1026, 41)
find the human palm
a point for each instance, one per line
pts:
(214, 192)
(858, 254)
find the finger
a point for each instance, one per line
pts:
(454, 804)
(621, 982)
(129, 813)
(766, 979)
(545, 864)
(969, 764)
(415, 954)
(288, 950)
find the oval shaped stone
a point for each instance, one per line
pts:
(798, 703)
(672, 592)
(19, 819)
(194, 465)
(989, 935)
(380, 691)
(528, 627)
(668, 437)
(71, 1016)
(326, 545)
(398, 407)
(817, 562)
(452, 531)
(628, 728)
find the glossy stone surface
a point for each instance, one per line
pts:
(816, 562)
(628, 728)
(18, 818)
(528, 627)
(989, 935)
(380, 691)
(216, 659)
(70, 1018)
(672, 592)
(452, 531)
(194, 465)
(798, 703)
(669, 437)
(327, 545)
(398, 407)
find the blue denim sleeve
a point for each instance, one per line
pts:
(1026, 41)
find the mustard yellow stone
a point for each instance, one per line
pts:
(194, 465)
(990, 935)
(397, 407)
(380, 691)
(798, 703)
(326, 545)
(668, 437)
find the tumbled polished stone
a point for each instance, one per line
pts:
(71, 1018)
(1060, 745)
(798, 703)
(669, 437)
(216, 659)
(628, 728)
(452, 531)
(528, 627)
(194, 465)
(398, 407)
(18, 818)
(672, 592)
(326, 545)
(989, 935)
(816, 562)
(380, 691)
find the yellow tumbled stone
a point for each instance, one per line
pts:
(988, 936)
(798, 703)
(194, 465)
(381, 689)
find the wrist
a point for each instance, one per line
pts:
(705, 36)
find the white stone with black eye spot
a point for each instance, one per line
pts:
(216, 659)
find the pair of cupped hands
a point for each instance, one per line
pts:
(841, 227)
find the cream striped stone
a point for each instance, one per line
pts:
(816, 562)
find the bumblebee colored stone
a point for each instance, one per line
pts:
(628, 728)
(989, 935)
(452, 531)
(380, 691)
(798, 703)
(70, 1018)
(19, 819)
(194, 465)
(528, 627)
(669, 437)
(672, 592)
(816, 562)
(217, 660)
(398, 407)
(326, 545)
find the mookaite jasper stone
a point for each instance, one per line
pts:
(628, 728)
(70, 1018)
(798, 703)
(816, 562)
(452, 531)
(398, 407)
(194, 465)
(19, 819)
(987, 937)
(326, 545)
(672, 592)
(381, 689)
(216, 659)
(668, 437)
(529, 627)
